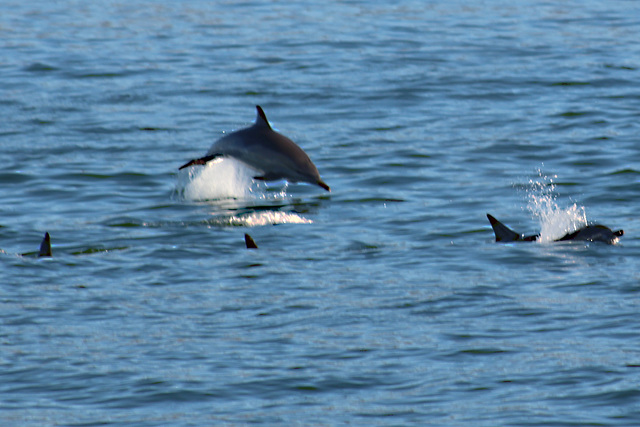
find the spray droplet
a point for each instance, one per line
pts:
(555, 221)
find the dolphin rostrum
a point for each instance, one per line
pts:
(272, 154)
(589, 233)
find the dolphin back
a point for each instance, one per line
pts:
(594, 233)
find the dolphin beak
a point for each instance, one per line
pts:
(322, 184)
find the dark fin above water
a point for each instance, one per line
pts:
(504, 233)
(261, 118)
(201, 161)
(45, 246)
(249, 242)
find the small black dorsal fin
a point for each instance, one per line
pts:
(45, 246)
(502, 232)
(261, 118)
(249, 242)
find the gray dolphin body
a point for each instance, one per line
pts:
(272, 154)
(589, 233)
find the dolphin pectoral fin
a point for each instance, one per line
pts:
(249, 242)
(200, 161)
(502, 232)
(45, 246)
(268, 177)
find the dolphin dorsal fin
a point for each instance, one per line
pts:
(249, 242)
(45, 246)
(261, 118)
(502, 232)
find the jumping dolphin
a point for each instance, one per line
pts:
(272, 154)
(249, 242)
(589, 233)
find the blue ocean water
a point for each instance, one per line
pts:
(384, 302)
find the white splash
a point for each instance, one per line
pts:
(256, 219)
(223, 178)
(229, 186)
(555, 221)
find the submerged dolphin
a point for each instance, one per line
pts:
(274, 155)
(589, 233)
(43, 251)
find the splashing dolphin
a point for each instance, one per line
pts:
(272, 154)
(589, 233)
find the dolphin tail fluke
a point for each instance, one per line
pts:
(502, 232)
(249, 242)
(45, 246)
(201, 161)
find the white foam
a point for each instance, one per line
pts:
(230, 185)
(555, 221)
(259, 218)
(223, 178)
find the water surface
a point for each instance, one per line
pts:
(384, 302)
